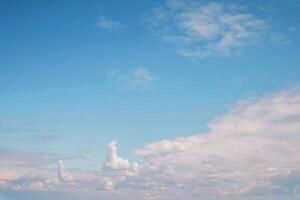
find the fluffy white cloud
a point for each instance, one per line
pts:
(206, 29)
(244, 152)
(113, 161)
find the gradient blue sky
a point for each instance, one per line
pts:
(75, 75)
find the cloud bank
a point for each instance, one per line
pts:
(252, 152)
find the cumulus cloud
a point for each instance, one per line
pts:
(107, 24)
(113, 161)
(206, 29)
(133, 170)
(244, 151)
(138, 79)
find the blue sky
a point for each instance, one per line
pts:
(76, 75)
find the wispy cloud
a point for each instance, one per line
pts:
(107, 24)
(138, 79)
(206, 29)
(62, 174)
(279, 39)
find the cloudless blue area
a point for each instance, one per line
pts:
(54, 92)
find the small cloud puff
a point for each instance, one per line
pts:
(113, 161)
(138, 79)
(107, 24)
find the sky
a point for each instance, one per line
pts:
(152, 99)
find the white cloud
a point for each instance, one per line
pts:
(249, 153)
(133, 171)
(37, 185)
(138, 79)
(108, 24)
(245, 150)
(113, 161)
(108, 184)
(203, 30)
(62, 174)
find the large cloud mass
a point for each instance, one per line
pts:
(250, 153)
(244, 152)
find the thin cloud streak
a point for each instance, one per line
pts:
(107, 24)
(138, 79)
